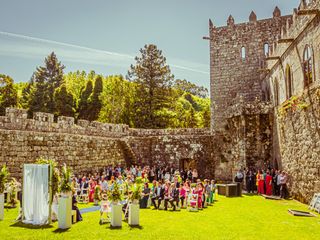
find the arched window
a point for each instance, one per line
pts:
(276, 92)
(243, 53)
(266, 49)
(289, 83)
(307, 66)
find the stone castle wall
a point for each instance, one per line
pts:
(299, 134)
(177, 148)
(296, 141)
(233, 75)
(91, 146)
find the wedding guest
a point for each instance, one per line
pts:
(268, 184)
(283, 185)
(183, 193)
(194, 175)
(74, 207)
(174, 196)
(145, 196)
(167, 194)
(250, 180)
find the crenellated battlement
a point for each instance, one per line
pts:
(301, 17)
(17, 119)
(171, 132)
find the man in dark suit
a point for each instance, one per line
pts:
(158, 194)
(174, 197)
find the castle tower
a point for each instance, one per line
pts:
(237, 60)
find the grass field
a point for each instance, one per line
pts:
(248, 217)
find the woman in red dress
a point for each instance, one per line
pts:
(268, 184)
(260, 179)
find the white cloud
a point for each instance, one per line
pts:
(31, 47)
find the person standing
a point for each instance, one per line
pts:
(250, 181)
(260, 182)
(268, 184)
(194, 175)
(283, 184)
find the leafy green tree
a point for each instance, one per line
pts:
(64, 102)
(154, 80)
(8, 93)
(95, 101)
(117, 100)
(47, 79)
(186, 86)
(84, 100)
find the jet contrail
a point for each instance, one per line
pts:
(125, 56)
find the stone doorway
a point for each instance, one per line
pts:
(187, 163)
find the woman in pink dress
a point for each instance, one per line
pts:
(91, 191)
(200, 193)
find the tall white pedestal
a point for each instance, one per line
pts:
(116, 215)
(1, 206)
(134, 214)
(64, 212)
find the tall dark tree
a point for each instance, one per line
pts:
(64, 102)
(27, 94)
(47, 78)
(8, 94)
(95, 103)
(154, 79)
(84, 101)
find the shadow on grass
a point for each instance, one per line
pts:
(249, 194)
(135, 227)
(115, 228)
(30, 226)
(59, 230)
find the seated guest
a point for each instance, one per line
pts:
(167, 194)
(183, 193)
(74, 207)
(145, 196)
(155, 192)
(174, 196)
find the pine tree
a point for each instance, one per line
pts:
(154, 79)
(27, 94)
(8, 94)
(95, 103)
(47, 79)
(84, 101)
(64, 102)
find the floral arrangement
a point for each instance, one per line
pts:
(115, 195)
(12, 190)
(136, 192)
(65, 179)
(4, 175)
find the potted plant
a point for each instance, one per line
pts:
(65, 201)
(136, 193)
(116, 208)
(4, 175)
(96, 195)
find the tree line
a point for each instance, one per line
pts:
(148, 97)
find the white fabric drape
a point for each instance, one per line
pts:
(36, 194)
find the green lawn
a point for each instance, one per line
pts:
(248, 217)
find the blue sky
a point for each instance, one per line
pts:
(105, 35)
